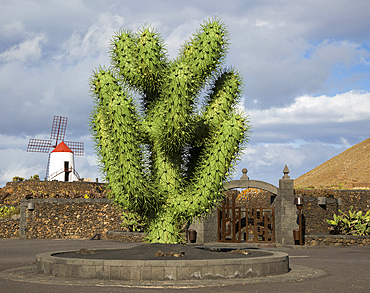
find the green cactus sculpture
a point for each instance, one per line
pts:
(165, 152)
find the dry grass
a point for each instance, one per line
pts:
(348, 170)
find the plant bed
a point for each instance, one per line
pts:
(140, 264)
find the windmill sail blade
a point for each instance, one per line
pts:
(39, 145)
(47, 169)
(76, 147)
(58, 129)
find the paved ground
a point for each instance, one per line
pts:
(347, 270)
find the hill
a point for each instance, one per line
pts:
(350, 169)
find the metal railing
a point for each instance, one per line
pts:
(64, 170)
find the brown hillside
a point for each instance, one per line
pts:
(350, 169)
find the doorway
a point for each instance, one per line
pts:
(66, 171)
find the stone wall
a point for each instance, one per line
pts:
(337, 240)
(69, 218)
(314, 216)
(125, 236)
(359, 199)
(9, 228)
(13, 192)
(83, 218)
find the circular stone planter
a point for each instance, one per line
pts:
(273, 263)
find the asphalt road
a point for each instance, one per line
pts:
(347, 269)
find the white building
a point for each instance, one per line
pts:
(62, 164)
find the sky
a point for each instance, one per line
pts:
(305, 65)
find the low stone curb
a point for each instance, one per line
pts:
(161, 270)
(28, 274)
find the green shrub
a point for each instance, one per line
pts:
(132, 221)
(6, 212)
(35, 178)
(355, 223)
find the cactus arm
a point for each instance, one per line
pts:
(225, 94)
(186, 76)
(219, 156)
(221, 101)
(100, 127)
(121, 153)
(123, 53)
(141, 61)
(206, 50)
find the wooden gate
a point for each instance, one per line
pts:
(245, 224)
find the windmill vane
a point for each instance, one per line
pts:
(58, 128)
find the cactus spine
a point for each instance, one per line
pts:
(166, 158)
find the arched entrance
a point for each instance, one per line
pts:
(242, 218)
(282, 222)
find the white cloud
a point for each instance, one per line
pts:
(16, 162)
(180, 34)
(30, 49)
(13, 28)
(266, 161)
(95, 40)
(347, 107)
(7, 141)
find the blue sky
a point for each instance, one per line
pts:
(305, 65)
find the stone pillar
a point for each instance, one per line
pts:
(206, 227)
(285, 211)
(22, 219)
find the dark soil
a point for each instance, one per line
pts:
(148, 252)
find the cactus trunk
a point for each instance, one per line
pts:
(164, 156)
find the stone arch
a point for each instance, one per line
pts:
(244, 182)
(282, 201)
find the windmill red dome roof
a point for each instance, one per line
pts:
(62, 147)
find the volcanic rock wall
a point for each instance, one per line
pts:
(315, 215)
(71, 218)
(13, 192)
(9, 228)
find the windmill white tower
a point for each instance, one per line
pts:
(61, 165)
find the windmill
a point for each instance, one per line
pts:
(61, 159)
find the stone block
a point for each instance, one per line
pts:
(170, 273)
(125, 273)
(219, 271)
(195, 272)
(102, 272)
(88, 272)
(146, 273)
(135, 273)
(115, 273)
(183, 273)
(71, 271)
(234, 271)
(58, 270)
(157, 273)
(207, 272)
